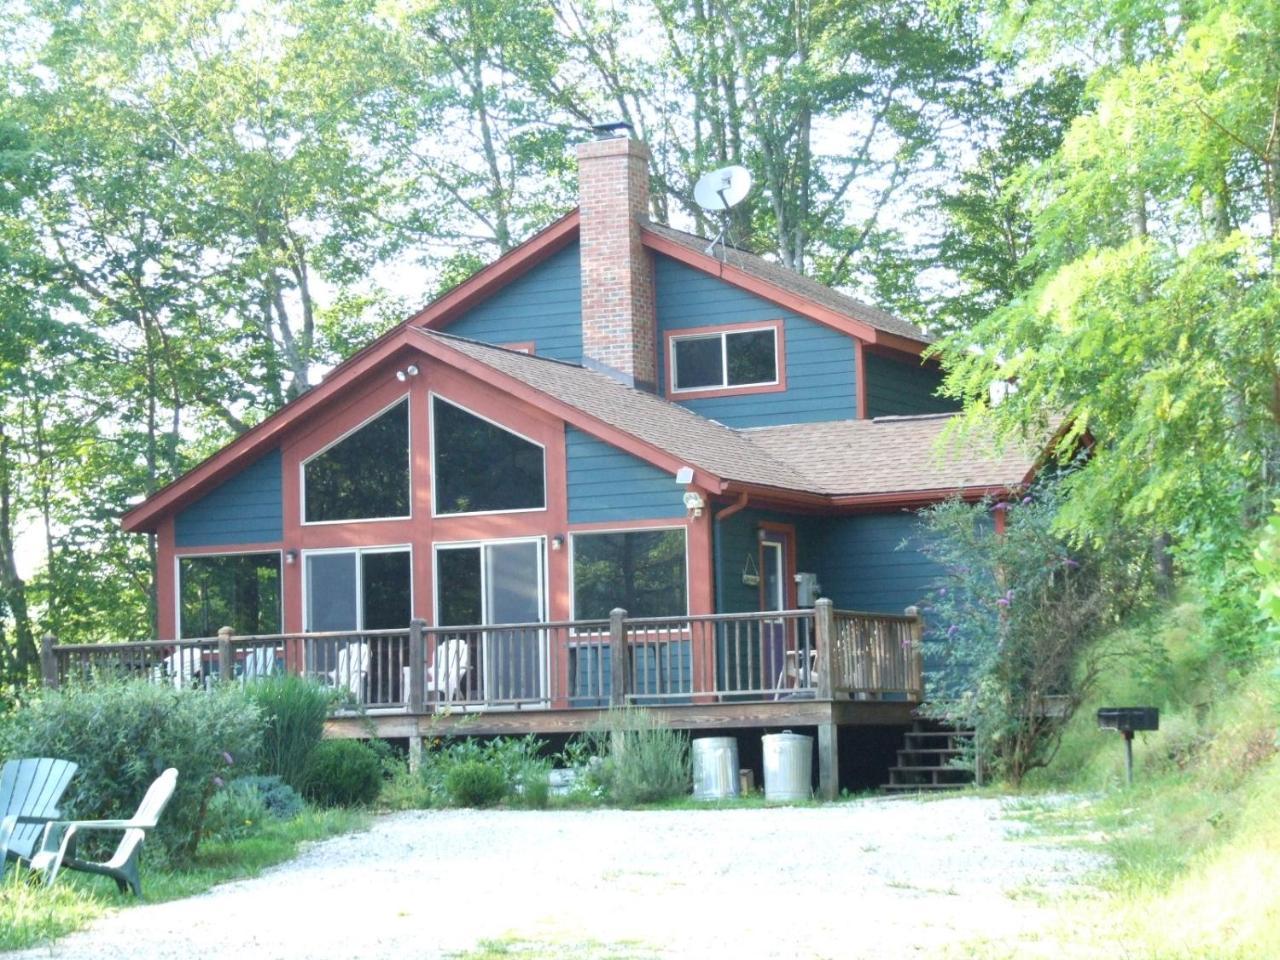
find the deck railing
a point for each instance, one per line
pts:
(775, 655)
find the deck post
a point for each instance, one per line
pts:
(415, 696)
(917, 651)
(48, 661)
(226, 656)
(620, 663)
(824, 629)
(828, 761)
(415, 753)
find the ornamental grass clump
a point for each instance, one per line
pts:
(124, 734)
(293, 713)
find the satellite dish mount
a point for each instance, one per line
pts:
(717, 193)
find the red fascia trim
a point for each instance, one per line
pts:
(570, 414)
(860, 374)
(784, 298)
(508, 267)
(911, 498)
(503, 270)
(264, 436)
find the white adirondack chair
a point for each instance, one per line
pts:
(444, 677)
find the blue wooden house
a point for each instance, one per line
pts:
(613, 466)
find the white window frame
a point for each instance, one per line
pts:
(724, 336)
(573, 587)
(302, 469)
(359, 552)
(543, 586)
(177, 581)
(435, 487)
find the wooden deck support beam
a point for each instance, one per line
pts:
(828, 761)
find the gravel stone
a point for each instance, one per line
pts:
(872, 878)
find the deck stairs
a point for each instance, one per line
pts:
(924, 762)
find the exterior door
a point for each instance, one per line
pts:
(773, 596)
(492, 584)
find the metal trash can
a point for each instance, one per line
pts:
(715, 768)
(788, 766)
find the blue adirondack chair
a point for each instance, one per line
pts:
(29, 793)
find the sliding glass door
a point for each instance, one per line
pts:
(491, 584)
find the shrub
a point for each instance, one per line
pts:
(1015, 620)
(123, 734)
(342, 773)
(280, 800)
(641, 761)
(475, 783)
(293, 713)
(235, 811)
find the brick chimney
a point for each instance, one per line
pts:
(619, 327)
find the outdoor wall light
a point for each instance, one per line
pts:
(410, 371)
(694, 503)
(557, 542)
(291, 557)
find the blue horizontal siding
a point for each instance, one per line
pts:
(544, 305)
(605, 483)
(821, 367)
(663, 668)
(244, 509)
(901, 389)
(861, 567)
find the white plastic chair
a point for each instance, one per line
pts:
(353, 666)
(444, 677)
(258, 662)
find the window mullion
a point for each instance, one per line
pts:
(724, 360)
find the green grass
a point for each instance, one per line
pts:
(32, 914)
(1195, 843)
(517, 948)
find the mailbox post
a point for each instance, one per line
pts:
(1126, 720)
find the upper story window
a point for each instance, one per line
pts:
(480, 467)
(364, 475)
(725, 359)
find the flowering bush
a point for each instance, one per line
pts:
(124, 734)
(1013, 622)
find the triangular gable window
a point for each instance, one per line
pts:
(365, 475)
(481, 467)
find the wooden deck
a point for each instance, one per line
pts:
(821, 668)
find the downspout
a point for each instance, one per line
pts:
(716, 546)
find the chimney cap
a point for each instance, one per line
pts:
(617, 128)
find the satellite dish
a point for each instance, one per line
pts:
(721, 189)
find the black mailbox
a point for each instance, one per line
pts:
(1128, 719)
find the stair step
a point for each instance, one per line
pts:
(932, 751)
(928, 769)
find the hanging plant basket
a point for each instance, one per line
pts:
(751, 573)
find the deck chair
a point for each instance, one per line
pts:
(259, 662)
(353, 665)
(58, 845)
(444, 677)
(184, 667)
(29, 793)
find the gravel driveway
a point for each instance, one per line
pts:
(874, 878)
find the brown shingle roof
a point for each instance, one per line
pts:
(681, 432)
(893, 455)
(841, 458)
(801, 286)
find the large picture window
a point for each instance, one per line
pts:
(738, 358)
(642, 571)
(365, 475)
(480, 467)
(241, 591)
(358, 589)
